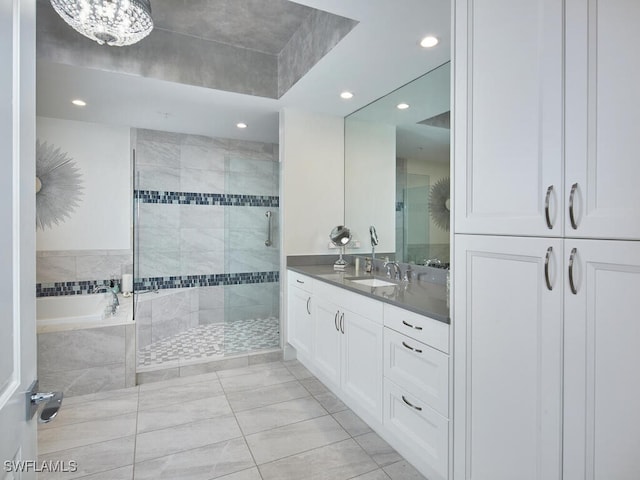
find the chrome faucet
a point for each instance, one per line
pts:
(115, 303)
(397, 273)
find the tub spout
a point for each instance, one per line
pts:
(115, 303)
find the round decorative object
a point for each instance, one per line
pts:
(340, 236)
(58, 185)
(439, 203)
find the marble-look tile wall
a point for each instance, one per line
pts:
(88, 360)
(74, 266)
(202, 212)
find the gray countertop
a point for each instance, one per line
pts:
(425, 298)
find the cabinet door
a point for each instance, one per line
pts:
(603, 118)
(300, 322)
(602, 358)
(327, 339)
(508, 358)
(362, 363)
(508, 116)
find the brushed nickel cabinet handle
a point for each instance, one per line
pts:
(308, 309)
(572, 285)
(411, 404)
(546, 268)
(546, 207)
(299, 281)
(415, 327)
(335, 320)
(572, 218)
(342, 322)
(411, 348)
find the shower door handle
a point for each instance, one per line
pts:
(268, 242)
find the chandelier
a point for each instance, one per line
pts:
(114, 22)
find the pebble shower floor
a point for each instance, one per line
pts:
(213, 341)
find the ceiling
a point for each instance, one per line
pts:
(264, 26)
(377, 56)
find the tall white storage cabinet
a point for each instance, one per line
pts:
(547, 257)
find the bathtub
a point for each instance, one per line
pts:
(80, 349)
(71, 312)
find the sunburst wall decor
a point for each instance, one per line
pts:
(58, 185)
(439, 203)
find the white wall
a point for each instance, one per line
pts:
(370, 183)
(102, 221)
(312, 173)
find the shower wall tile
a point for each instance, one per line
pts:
(259, 293)
(253, 260)
(152, 177)
(202, 216)
(144, 135)
(204, 181)
(159, 154)
(200, 239)
(251, 184)
(211, 297)
(158, 263)
(201, 262)
(251, 150)
(241, 218)
(158, 238)
(205, 156)
(154, 215)
(251, 167)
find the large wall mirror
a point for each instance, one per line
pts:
(397, 157)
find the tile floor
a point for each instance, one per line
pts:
(213, 341)
(272, 421)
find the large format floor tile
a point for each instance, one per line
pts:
(259, 422)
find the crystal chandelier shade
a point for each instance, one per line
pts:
(114, 22)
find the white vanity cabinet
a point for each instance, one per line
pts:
(300, 314)
(348, 347)
(416, 389)
(389, 365)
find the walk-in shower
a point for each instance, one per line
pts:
(206, 258)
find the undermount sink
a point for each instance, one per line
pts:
(371, 282)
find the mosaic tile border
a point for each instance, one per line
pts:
(194, 198)
(399, 206)
(59, 289)
(213, 280)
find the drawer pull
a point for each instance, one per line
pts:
(308, 309)
(411, 404)
(412, 326)
(411, 348)
(299, 281)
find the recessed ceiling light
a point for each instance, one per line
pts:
(241, 125)
(428, 42)
(79, 103)
(402, 106)
(346, 95)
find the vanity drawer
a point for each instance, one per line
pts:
(298, 280)
(419, 327)
(422, 433)
(417, 368)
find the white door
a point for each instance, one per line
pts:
(362, 365)
(602, 359)
(508, 117)
(326, 338)
(603, 118)
(508, 358)
(17, 234)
